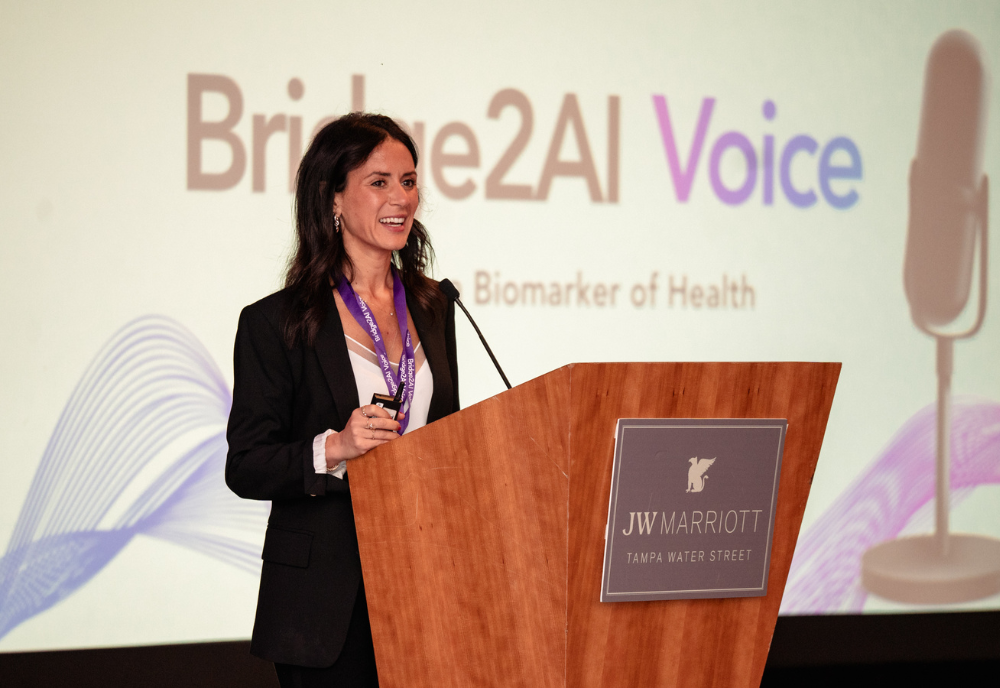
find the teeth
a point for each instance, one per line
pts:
(392, 220)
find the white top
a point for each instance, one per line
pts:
(369, 379)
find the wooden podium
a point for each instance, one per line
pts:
(482, 535)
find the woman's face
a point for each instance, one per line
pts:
(377, 205)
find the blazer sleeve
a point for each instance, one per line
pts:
(264, 461)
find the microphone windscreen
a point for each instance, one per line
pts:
(944, 181)
(449, 289)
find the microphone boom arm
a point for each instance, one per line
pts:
(483, 340)
(451, 292)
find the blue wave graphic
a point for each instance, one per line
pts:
(140, 448)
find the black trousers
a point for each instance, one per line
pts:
(354, 668)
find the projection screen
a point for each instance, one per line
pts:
(632, 181)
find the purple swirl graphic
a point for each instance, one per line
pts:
(140, 448)
(825, 575)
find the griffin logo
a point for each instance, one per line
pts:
(696, 474)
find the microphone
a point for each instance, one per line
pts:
(452, 293)
(946, 184)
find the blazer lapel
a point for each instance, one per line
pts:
(432, 339)
(331, 350)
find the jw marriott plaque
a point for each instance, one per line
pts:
(692, 506)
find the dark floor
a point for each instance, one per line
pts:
(203, 665)
(899, 650)
(231, 666)
(887, 675)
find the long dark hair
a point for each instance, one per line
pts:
(341, 146)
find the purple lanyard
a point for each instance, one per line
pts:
(363, 315)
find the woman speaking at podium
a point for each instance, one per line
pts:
(357, 316)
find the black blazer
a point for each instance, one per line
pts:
(282, 399)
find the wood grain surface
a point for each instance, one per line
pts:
(462, 528)
(482, 535)
(721, 642)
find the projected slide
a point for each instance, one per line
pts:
(653, 181)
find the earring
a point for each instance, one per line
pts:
(336, 223)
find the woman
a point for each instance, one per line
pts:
(307, 361)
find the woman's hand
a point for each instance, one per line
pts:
(368, 427)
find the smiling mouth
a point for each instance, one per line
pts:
(393, 221)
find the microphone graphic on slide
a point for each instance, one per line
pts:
(948, 191)
(949, 198)
(451, 292)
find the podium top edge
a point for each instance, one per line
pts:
(582, 363)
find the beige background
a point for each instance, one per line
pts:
(97, 226)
